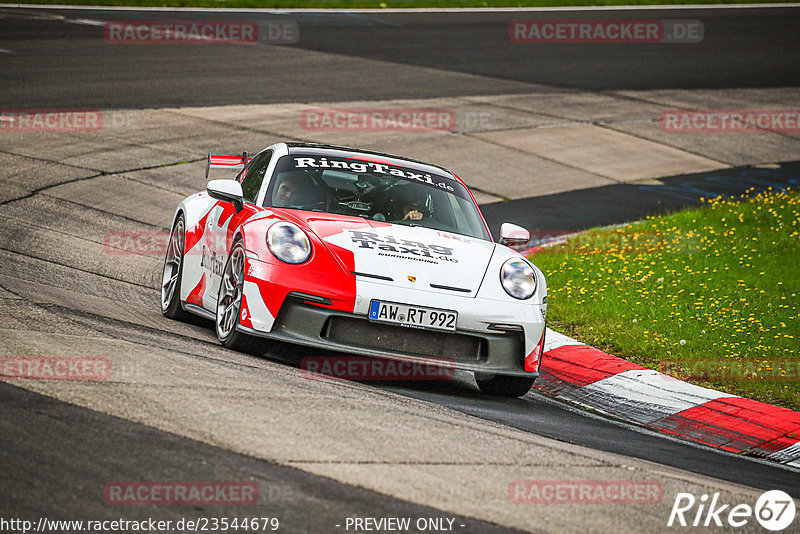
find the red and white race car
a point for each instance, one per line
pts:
(357, 251)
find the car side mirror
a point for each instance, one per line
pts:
(227, 191)
(513, 235)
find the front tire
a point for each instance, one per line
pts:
(229, 304)
(173, 273)
(505, 386)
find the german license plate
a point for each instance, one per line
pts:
(418, 316)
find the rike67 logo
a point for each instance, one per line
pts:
(774, 510)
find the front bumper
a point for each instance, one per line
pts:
(486, 352)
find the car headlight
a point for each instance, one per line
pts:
(288, 243)
(518, 278)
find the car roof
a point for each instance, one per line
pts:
(347, 152)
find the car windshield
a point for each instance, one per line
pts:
(374, 189)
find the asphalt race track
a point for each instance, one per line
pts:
(741, 48)
(179, 407)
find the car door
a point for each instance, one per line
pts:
(223, 219)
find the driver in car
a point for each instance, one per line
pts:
(289, 190)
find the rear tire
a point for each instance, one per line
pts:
(505, 386)
(173, 274)
(229, 305)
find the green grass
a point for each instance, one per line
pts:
(694, 294)
(344, 4)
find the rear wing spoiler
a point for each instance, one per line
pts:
(221, 161)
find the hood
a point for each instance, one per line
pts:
(409, 256)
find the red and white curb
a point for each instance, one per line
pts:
(590, 378)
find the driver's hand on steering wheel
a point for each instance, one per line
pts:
(413, 215)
